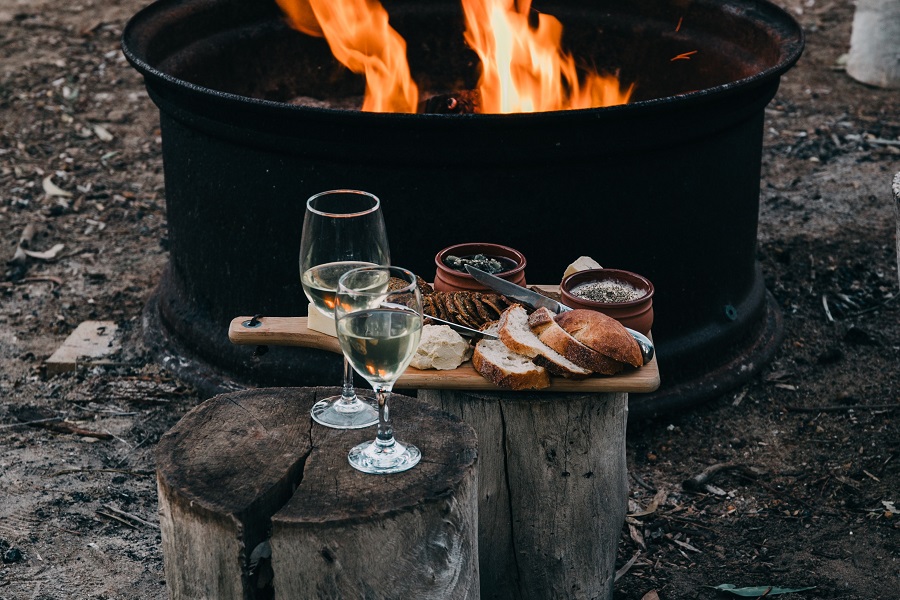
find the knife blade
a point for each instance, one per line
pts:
(462, 329)
(535, 300)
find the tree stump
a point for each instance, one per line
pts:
(552, 489)
(250, 475)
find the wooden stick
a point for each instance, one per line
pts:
(842, 407)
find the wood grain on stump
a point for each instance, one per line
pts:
(251, 470)
(552, 489)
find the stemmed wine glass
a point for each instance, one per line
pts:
(378, 313)
(342, 230)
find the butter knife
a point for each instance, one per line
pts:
(535, 300)
(462, 329)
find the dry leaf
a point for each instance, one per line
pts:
(651, 595)
(51, 189)
(47, 254)
(658, 499)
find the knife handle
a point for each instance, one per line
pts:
(279, 331)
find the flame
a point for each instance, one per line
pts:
(524, 68)
(358, 33)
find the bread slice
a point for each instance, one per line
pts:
(602, 333)
(515, 333)
(505, 368)
(542, 320)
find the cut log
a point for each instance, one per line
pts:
(251, 471)
(552, 489)
(874, 56)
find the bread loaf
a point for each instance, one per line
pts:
(550, 332)
(603, 334)
(516, 334)
(505, 368)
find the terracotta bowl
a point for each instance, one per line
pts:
(451, 280)
(636, 314)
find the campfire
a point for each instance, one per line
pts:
(523, 65)
(660, 175)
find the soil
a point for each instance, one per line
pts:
(805, 478)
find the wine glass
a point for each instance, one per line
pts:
(378, 313)
(342, 230)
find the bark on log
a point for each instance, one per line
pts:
(874, 56)
(895, 188)
(242, 466)
(552, 488)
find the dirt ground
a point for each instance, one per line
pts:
(805, 482)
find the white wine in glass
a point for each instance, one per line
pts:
(378, 312)
(342, 230)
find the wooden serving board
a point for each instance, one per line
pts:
(293, 331)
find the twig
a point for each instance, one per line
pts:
(88, 470)
(827, 311)
(870, 475)
(126, 515)
(30, 423)
(874, 308)
(642, 483)
(66, 427)
(842, 407)
(45, 279)
(115, 518)
(627, 566)
(698, 482)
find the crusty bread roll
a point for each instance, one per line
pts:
(602, 333)
(552, 334)
(505, 368)
(515, 332)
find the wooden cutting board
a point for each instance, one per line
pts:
(293, 331)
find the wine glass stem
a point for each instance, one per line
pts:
(385, 435)
(348, 393)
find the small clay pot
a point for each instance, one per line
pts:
(636, 314)
(451, 280)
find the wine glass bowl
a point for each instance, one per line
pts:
(378, 317)
(342, 230)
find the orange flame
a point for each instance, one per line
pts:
(358, 33)
(524, 68)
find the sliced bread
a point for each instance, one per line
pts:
(602, 333)
(549, 332)
(505, 368)
(515, 333)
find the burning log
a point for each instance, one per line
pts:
(466, 102)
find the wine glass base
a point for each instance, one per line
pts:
(374, 458)
(333, 412)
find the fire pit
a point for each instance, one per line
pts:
(666, 185)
